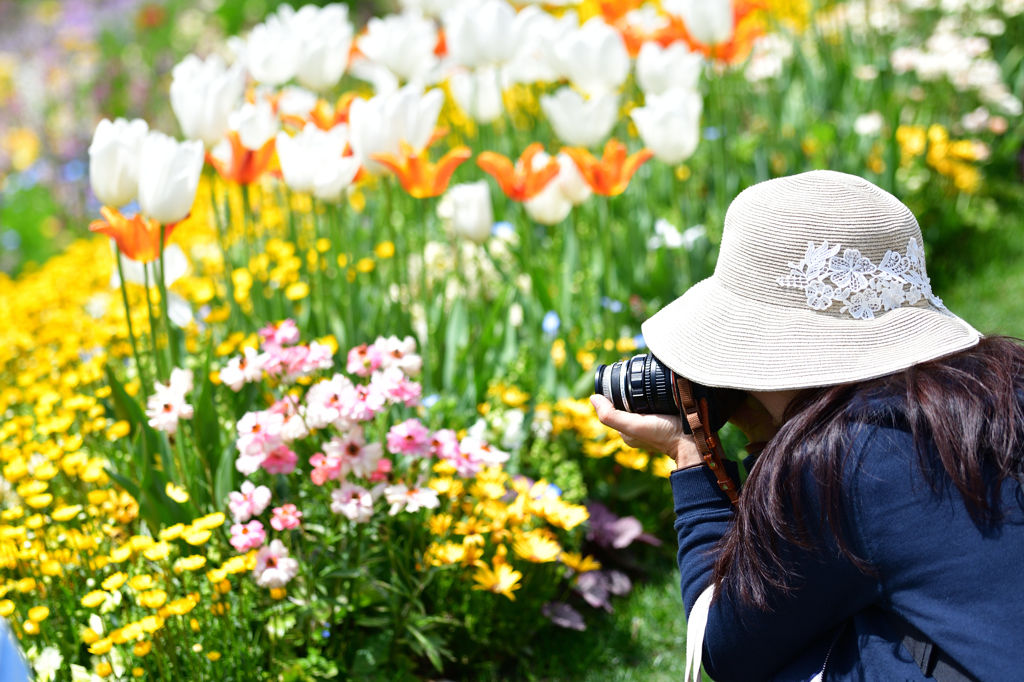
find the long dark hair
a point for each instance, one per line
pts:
(964, 409)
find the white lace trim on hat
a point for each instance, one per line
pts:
(860, 286)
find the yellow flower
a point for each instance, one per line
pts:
(215, 575)
(579, 563)
(94, 599)
(213, 655)
(536, 547)
(196, 537)
(444, 468)
(119, 554)
(138, 672)
(179, 607)
(114, 581)
(172, 532)
(503, 579)
(445, 554)
(235, 564)
(153, 599)
(365, 265)
(210, 521)
(141, 583)
(176, 493)
(101, 646)
(13, 513)
(45, 471)
(663, 466)
(296, 291)
(39, 501)
(6, 608)
(30, 627)
(104, 669)
(632, 458)
(194, 624)
(89, 636)
(151, 623)
(564, 515)
(32, 487)
(142, 648)
(141, 542)
(384, 250)
(119, 429)
(439, 523)
(51, 568)
(35, 522)
(26, 585)
(158, 551)
(190, 563)
(66, 513)
(15, 470)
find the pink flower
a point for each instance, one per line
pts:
(364, 360)
(244, 369)
(397, 388)
(248, 503)
(383, 469)
(274, 568)
(247, 536)
(280, 460)
(400, 353)
(482, 451)
(325, 401)
(410, 438)
(259, 432)
(324, 468)
(353, 454)
(167, 404)
(445, 444)
(284, 333)
(290, 363)
(286, 517)
(401, 497)
(362, 403)
(353, 502)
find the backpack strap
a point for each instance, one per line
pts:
(696, 416)
(935, 663)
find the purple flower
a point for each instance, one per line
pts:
(610, 531)
(563, 615)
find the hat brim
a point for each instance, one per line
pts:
(718, 338)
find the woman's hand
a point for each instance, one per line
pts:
(650, 432)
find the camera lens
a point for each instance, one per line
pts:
(641, 384)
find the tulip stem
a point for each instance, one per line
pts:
(162, 286)
(152, 326)
(219, 222)
(131, 331)
(420, 206)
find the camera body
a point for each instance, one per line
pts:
(645, 385)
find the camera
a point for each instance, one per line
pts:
(645, 385)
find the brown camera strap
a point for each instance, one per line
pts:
(707, 442)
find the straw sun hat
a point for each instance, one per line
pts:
(820, 280)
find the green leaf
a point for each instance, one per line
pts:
(428, 646)
(456, 337)
(224, 479)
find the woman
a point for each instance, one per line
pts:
(880, 533)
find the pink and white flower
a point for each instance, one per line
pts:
(167, 404)
(400, 353)
(259, 433)
(325, 401)
(247, 536)
(382, 471)
(244, 369)
(283, 333)
(290, 363)
(352, 501)
(482, 451)
(401, 497)
(410, 438)
(286, 517)
(274, 568)
(444, 444)
(365, 359)
(397, 387)
(280, 460)
(353, 454)
(363, 403)
(250, 502)
(324, 468)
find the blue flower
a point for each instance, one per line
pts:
(552, 323)
(611, 304)
(639, 341)
(430, 400)
(503, 230)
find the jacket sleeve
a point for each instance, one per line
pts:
(742, 642)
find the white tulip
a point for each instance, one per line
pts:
(404, 43)
(272, 49)
(594, 58)
(381, 124)
(709, 21)
(534, 60)
(304, 155)
(658, 68)
(325, 40)
(579, 122)
(294, 101)
(334, 177)
(466, 209)
(550, 206)
(478, 93)
(114, 158)
(255, 124)
(571, 181)
(669, 124)
(430, 8)
(169, 177)
(486, 33)
(203, 94)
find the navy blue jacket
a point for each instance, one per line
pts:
(960, 584)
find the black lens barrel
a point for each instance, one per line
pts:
(641, 384)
